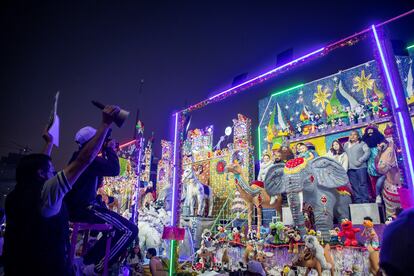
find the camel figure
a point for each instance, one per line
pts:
(308, 259)
(373, 260)
(255, 196)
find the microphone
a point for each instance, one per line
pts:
(98, 104)
(119, 118)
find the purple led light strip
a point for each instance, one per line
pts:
(268, 73)
(387, 73)
(323, 50)
(401, 122)
(174, 171)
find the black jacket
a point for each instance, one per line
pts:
(84, 190)
(35, 245)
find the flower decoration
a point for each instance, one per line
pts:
(220, 167)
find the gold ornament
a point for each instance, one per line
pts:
(363, 83)
(321, 96)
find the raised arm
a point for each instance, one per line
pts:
(47, 149)
(92, 148)
(56, 187)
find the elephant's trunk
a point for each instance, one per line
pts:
(295, 203)
(324, 223)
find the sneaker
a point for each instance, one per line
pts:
(378, 200)
(272, 200)
(89, 270)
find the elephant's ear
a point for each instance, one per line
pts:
(328, 173)
(273, 183)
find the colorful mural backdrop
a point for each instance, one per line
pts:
(326, 109)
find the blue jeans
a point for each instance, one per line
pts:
(359, 183)
(379, 185)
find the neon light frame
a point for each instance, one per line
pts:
(270, 72)
(348, 41)
(173, 201)
(127, 144)
(397, 112)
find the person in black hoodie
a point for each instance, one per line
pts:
(37, 231)
(83, 206)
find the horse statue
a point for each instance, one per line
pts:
(196, 192)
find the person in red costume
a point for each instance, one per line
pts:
(349, 233)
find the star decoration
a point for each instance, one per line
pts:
(353, 90)
(335, 79)
(398, 61)
(286, 106)
(367, 64)
(321, 96)
(363, 83)
(296, 113)
(301, 92)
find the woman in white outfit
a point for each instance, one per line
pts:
(264, 167)
(337, 153)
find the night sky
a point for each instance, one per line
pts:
(184, 51)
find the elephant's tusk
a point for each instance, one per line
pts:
(300, 195)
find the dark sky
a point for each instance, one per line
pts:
(184, 50)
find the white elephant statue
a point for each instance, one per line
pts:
(321, 182)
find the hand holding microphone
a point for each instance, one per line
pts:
(112, 113)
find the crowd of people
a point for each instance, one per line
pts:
(371, 164)
(369, 160)
(43, 202)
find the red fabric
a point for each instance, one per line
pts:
(373, 180)
(293, 163)
(173, 233)
(258, 183)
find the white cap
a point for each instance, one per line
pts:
(84, 135)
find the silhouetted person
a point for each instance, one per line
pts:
(37, 230)
(84, 207)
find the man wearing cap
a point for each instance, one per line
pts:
(83, 207)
